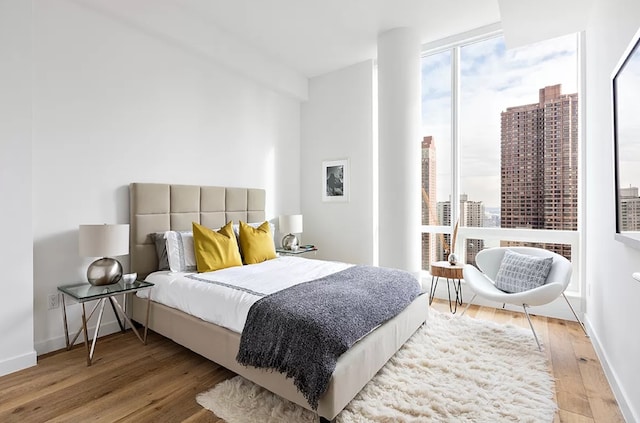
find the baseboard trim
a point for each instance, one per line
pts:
(17, 363)
(59, 343)
(627, 412)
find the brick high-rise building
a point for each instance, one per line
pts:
(539, 164)
(444, 216)
(429, 179)
(429, 201)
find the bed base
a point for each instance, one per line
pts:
(353, 370)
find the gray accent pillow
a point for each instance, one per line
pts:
(521, 272)
(161, 250)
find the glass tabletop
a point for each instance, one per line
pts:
(298, 251)
(84, 291)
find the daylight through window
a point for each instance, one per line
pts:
(505, 163)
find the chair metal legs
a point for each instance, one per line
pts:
(468, 304)
(524, 307)
(576, 315)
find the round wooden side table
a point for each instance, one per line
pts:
(453, 273)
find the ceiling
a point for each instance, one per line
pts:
(317, 36)
(311, 37)
(299, 39)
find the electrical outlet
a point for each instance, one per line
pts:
(53, 301)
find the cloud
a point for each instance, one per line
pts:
(492, 79)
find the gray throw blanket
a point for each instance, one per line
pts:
(301, 331)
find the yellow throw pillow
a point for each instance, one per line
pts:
(256, 243)
(215, 250)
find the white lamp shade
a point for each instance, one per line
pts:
(103, 240)
(291, 224)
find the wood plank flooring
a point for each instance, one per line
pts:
(130, 382)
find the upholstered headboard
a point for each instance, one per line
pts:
(163, 207)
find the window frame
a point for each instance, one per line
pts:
(454, 44)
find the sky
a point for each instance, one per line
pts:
(492, 79)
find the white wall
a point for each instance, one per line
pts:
(612, 295)
(191, 27)
(114, 104)
(16, 301)
(337, 123)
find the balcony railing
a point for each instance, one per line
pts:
(506, 236)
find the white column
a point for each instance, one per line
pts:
(16, 125)
(399, 94)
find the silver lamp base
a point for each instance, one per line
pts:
(290, 242)
(104, 271)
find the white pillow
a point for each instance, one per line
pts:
(180, 252)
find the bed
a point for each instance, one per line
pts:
(161, 207)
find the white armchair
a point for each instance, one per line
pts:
(481, 281)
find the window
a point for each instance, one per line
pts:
(436, 169)
(502, 131)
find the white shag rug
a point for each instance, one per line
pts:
(453, 369)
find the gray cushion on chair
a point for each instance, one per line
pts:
(521, 272)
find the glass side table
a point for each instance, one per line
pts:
(299, 251)
(83, 292)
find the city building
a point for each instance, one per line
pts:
(429, 216)
(629, 219)
(471, 215)
(539, 164)
(444, 216)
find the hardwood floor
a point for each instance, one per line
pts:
(130, 382)
(582, 391)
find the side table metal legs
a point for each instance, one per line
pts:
(95, 334)
(117, 309)
(457, 287)
(142, 339)
(432, 290)
(82, 327)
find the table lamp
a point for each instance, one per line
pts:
(289, 225)
(104, 241)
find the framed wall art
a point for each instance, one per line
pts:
(335, 180)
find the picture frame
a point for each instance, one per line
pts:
(335, 180)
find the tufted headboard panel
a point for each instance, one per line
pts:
(164, 207)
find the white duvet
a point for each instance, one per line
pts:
(224, 297)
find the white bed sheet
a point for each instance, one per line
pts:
(225, 296)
